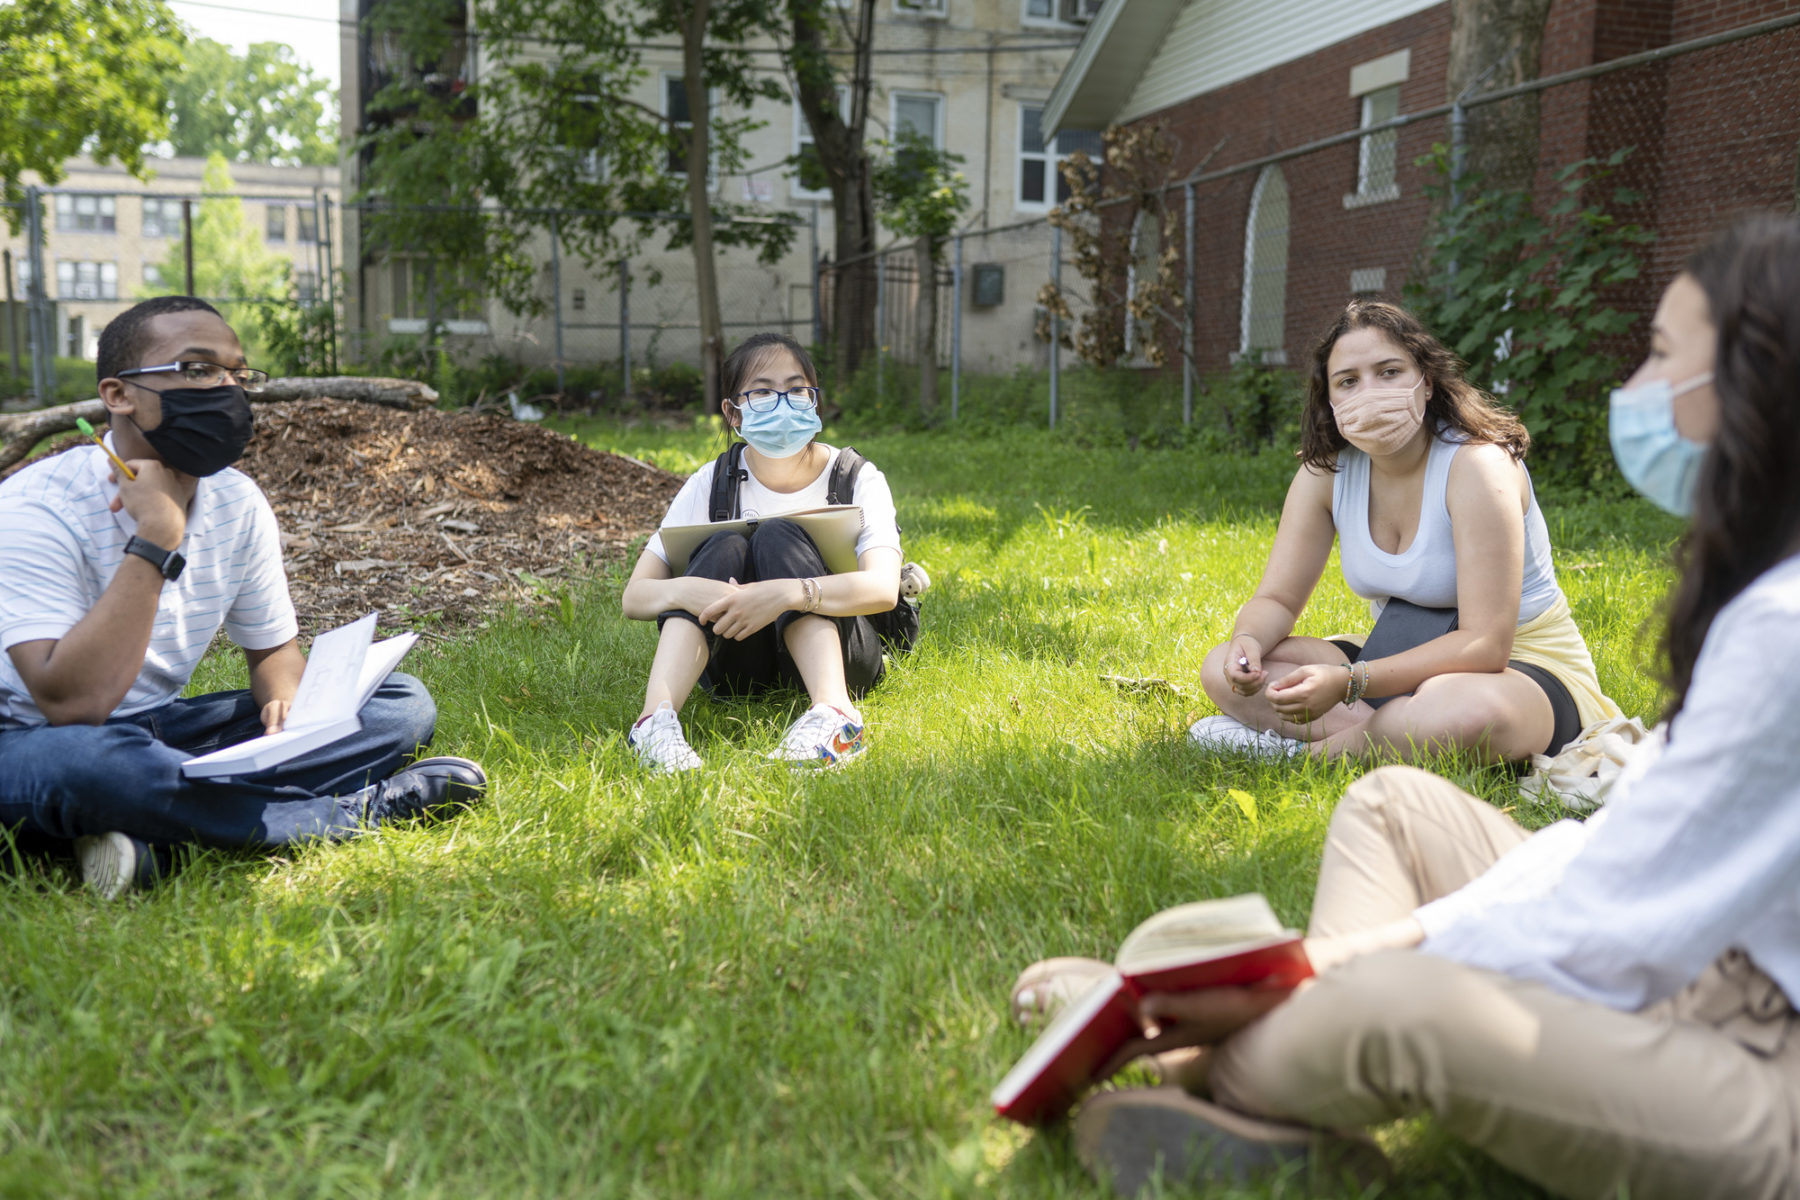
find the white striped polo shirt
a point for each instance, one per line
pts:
(60, 545)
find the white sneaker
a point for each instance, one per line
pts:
(658, 741)
(109, 862)
(822, 737)
(1228, 735)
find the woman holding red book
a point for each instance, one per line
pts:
(1605, 1008)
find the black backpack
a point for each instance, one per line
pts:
(899, 626)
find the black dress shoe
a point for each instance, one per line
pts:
(428, 787)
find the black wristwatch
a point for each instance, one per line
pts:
(167, 562)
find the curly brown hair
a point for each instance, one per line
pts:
(1747, 497)
(1454, 403)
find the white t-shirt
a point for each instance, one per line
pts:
(693, 503)
(60, 545)
(1695, 852)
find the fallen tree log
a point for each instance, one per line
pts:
(19, 432)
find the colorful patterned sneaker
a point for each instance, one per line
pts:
(1228, 735)
(823, 737)
(660, 744)
(115, 863)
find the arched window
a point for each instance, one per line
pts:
(1141, 267)
(1265, 269)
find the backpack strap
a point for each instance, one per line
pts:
(728, 474)
(842, 485)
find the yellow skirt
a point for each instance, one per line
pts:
(1550, 640)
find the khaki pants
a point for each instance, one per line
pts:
(1696, 1096)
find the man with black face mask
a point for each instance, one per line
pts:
(111, 589)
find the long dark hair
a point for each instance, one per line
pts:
(1747, 498)
(1454, 403)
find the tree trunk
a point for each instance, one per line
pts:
(926, 317)
(1495, 44)
(19, 432)
(706, 277)
(839, 142)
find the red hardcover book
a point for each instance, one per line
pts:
(1212, 943)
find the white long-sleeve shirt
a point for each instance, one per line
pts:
(1697, 852)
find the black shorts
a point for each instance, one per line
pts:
(1567, 721)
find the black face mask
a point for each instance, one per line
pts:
(203, 430)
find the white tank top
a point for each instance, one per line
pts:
(1425, 572)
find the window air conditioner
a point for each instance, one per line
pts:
(1078, 12)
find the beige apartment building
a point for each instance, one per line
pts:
(971, 75)
(106, 235)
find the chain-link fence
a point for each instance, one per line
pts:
(545, 299)
(1602, 177)
(84, 255)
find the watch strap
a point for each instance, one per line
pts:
(167, 562)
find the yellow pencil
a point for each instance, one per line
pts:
(118, 462)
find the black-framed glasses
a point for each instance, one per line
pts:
(205, 374)
(804, 399)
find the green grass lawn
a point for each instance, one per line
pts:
(741, 982)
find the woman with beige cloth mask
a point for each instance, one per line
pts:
(1606, 1008)
(1420, 479)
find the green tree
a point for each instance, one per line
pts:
(1527, 294)
(81, 76)
(831, 56)
(232, 265)
(260, 106)
(566, 132)
(921, 195)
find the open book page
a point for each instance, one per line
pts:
(328, 686)
(342, 672)
(833, 528)
(1205, 928)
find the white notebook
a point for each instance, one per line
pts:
(833, 528)
(343, 669)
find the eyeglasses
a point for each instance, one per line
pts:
(206, 374)
(765, 399)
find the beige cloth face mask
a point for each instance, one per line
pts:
(1381, 420)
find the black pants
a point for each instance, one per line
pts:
(774, 549)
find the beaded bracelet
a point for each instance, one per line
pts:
(1359, 679)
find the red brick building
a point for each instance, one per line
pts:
(1281, 246)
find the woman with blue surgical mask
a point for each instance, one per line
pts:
(751, 612)
(1604, 1007)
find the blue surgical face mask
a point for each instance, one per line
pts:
(781, 432)
(1652, 454)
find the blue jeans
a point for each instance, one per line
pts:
(69, 781)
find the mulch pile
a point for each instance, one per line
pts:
(440, 517)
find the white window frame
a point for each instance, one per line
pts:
(712, 104)
(1053, 156)
(464, 324)
(106, 206)
(1373, 83)
(803, 137)
(301, 213)
(71, 290)
(1144, 226)
(1274, 355)
(269, 236)
(935, 10)
(164, 228)
(937, 99)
